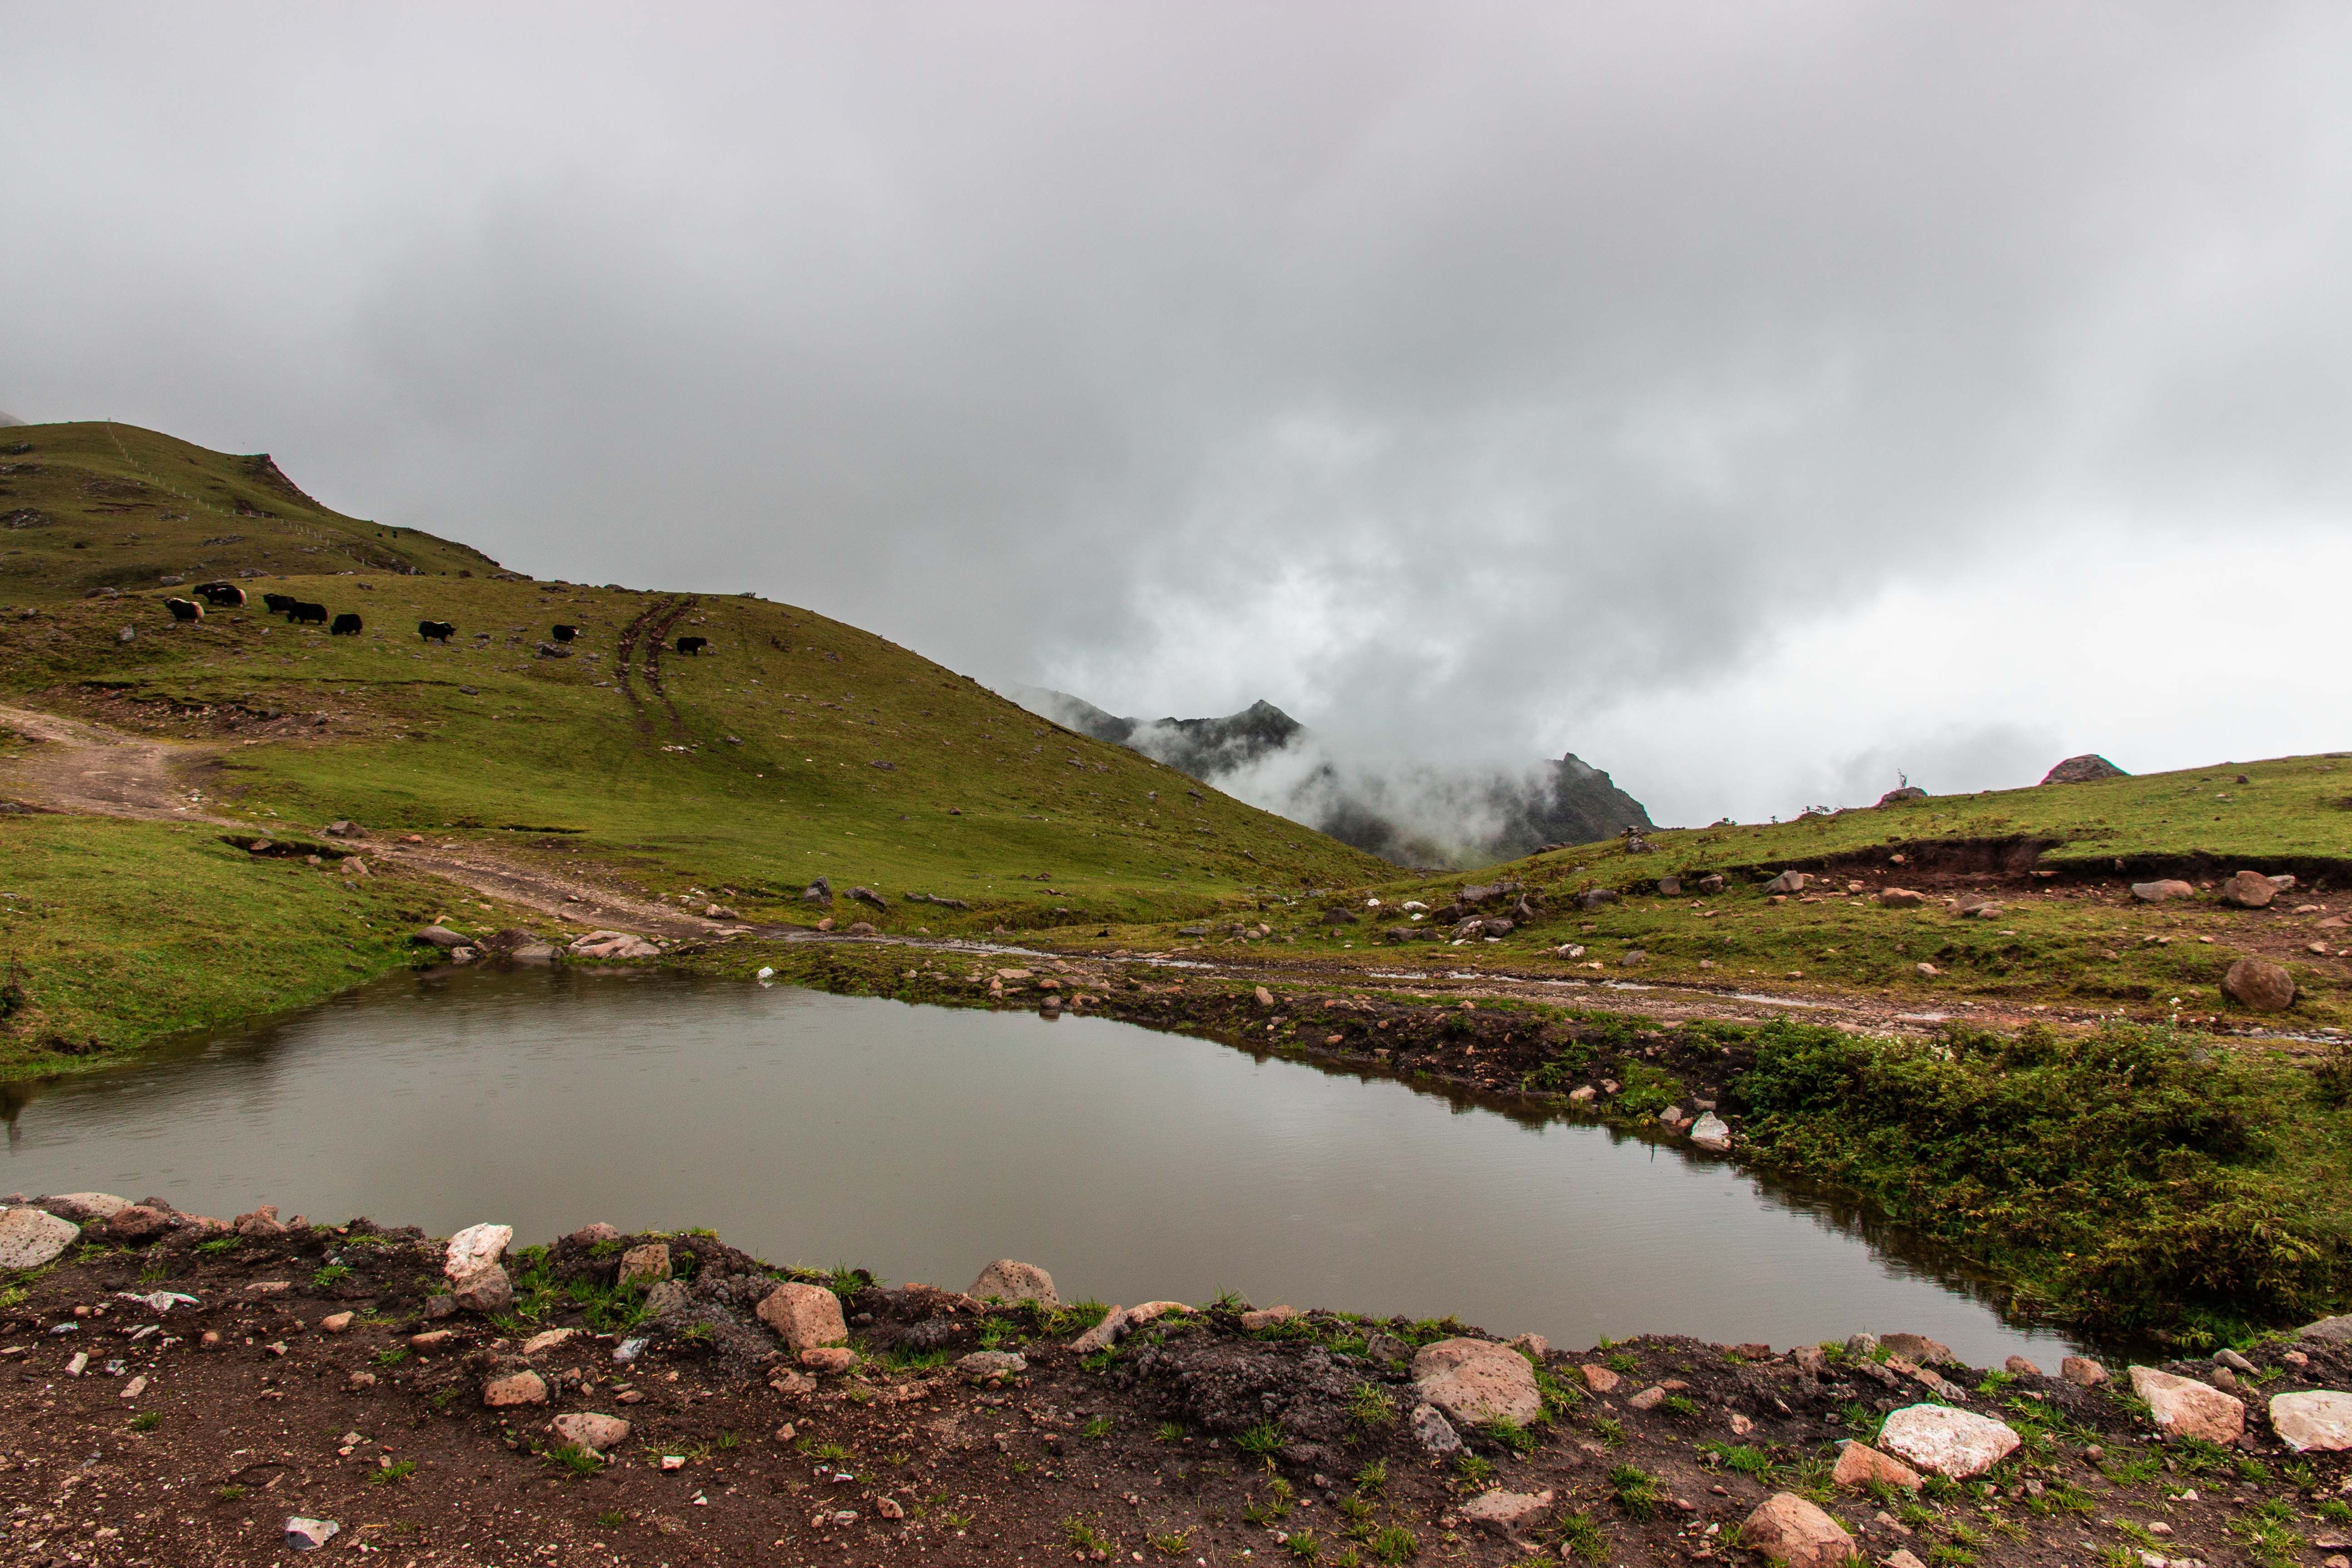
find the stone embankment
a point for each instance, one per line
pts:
(184, 1388)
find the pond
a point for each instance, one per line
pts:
(922, 1142)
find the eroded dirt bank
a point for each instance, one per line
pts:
(328, 1375)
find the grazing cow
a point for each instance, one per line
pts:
(184, 609)
(277, 603)
(692, 645)
(347, 625)
(308, 615)
(435, 631)
(223, 596)
(565, 634)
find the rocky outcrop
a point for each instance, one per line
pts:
(2084, 769)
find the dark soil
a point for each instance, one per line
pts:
(1195, 1442)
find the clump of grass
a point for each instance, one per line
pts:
(1580, 1537)
(1636, 1489)
(229, 1493)
(391, 1475)
(1393, 1544)
(1371, 1406)
(2268, 1529)
(1083, 1535)
(1170, 1544)
(392, 1355)
(1372, 1481)
(1473, 1468)
(1262, 1439)
(1609, 1429)
(612, 1519)
(146, 1421)
(1169, 1432)
(1096, 1426)
(1304, 1545)
(1512, 1436)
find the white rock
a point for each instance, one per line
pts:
(2313, 1418)
(476, 1247)
(31, 1238)
(83, 1207)
(1433, 1431)
(1711, 1132)
(2188, 1409)
(1954, 1443)
(310, 1534)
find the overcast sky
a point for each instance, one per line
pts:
(1757, 399)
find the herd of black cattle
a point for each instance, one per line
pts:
(302, 613)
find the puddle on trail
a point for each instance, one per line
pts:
(922, 1142)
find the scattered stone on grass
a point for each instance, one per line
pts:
(1502, 1511)
(2258, 984)
(2158, 891)
(987, 1366)
(2249, 890)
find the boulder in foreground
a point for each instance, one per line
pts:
(30, 1237)
(806, 1316)
(2188, 1409)
(1787, 1528)
(1477, 1381)
(2313, 1418)
(1955, 1443)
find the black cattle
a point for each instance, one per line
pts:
(222, 596)
(184, 609)
(435, 631)
(307, 614)
(565, 634)
(347, 625)
(692, 645)
(277, 603)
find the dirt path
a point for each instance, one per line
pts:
(90, 769)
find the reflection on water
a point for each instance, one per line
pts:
(922, 1142)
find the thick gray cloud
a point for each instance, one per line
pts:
(1475, 381)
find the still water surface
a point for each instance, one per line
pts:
(922, 1142)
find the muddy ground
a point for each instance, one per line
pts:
(194, 1433)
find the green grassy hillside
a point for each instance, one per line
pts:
(794, 746)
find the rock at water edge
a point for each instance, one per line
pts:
(2081, 1372)
(1010, 1281)
(1477, 1381)
(31, 1238)
(1711, 1132)
(1956, 1444)
(645, 1265)
(1787, 1528)
(806, 1316)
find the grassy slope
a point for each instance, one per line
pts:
(2076, 940)
(95, 961)
(757, 774)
